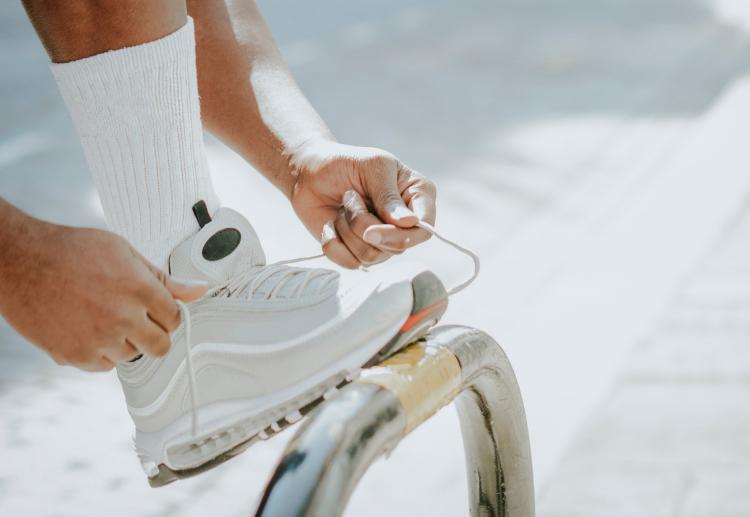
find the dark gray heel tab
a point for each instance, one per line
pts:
(200, 210)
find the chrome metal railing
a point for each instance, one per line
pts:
(340, 440)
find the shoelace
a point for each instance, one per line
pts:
(252, 277)
(192, 383)
(474, 257)
(256, 275)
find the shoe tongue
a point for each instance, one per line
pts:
(214, 253)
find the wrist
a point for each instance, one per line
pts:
(16, 235)
(23, 239)
(308, 156)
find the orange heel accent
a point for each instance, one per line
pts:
(418, 316)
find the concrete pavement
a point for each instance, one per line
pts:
(672, 438)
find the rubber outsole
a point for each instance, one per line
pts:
(430, 303)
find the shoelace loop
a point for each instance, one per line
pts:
(474, 257)
(430, 229)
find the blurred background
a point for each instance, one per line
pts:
(595, 153)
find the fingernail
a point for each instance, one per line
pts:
(190, 282)
(401, 212)
(349, 197)
(328, 234)
(374, 237)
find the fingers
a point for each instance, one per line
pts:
(102, 364)
(159, 294)
(367, 227)
(186, 290)
(423, 205)
(122, 353)
(366, 254)
(420, 196)
(162, 309)
(150, 338)
(351, 223)
(382, 189)
(159, 304)
(181, 289)
(335, 250)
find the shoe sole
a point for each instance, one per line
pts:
(430, 303)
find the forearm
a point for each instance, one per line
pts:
(249, 99)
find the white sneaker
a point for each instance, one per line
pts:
(262, 348)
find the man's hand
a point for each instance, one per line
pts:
(85, 296)
(361, 202)
(250, 100)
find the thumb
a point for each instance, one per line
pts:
(185, 290)
(386, 198)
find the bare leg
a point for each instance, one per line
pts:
(74, 30)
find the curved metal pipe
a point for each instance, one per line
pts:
(338, 442)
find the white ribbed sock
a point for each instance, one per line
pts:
(138, 116)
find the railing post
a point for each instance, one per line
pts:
(338, 442)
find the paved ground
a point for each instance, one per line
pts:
(594, 154)
(673, 436)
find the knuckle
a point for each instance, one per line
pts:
(340, 223)
(397, 246)
(160, 275)
(347, 261)
(142, 288)
(103, 365)
(149, 274)
(358, 219)
(382, 258)
(125, 352)
(174, 319)
(371, 255)
(429, 188)
(419, 236)
(388, 196)
(161, 344)
(379, 158)
(329, 246)
(121, 323)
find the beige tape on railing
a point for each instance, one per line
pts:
(424, 378)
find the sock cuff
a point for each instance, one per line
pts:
(137, 112)
(113, 90)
